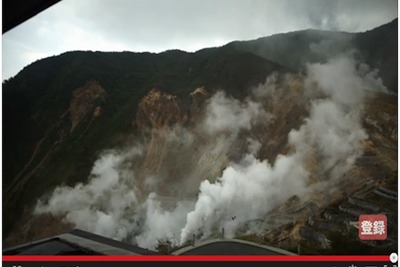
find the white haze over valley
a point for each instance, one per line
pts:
(111, 204)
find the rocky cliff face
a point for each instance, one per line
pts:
(177, 151)
(198, 100)
(85, 100)
(157, 111)
(287, 106)
(84, 107)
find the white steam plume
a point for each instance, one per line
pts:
(244, 193)
(104, 204)
(161, 222)
(333, 129)
(229, 114)
(109, 203)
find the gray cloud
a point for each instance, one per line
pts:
(344, 15)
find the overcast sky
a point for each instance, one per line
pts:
(158, 25)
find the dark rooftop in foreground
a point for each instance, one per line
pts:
(230, 247)
(78, 242)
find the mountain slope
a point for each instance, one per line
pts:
(377, 47)
(191, 117)
(65, 134)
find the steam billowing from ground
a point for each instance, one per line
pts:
(111, 204)
(226, 114)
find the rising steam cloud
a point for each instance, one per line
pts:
(109, 204)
